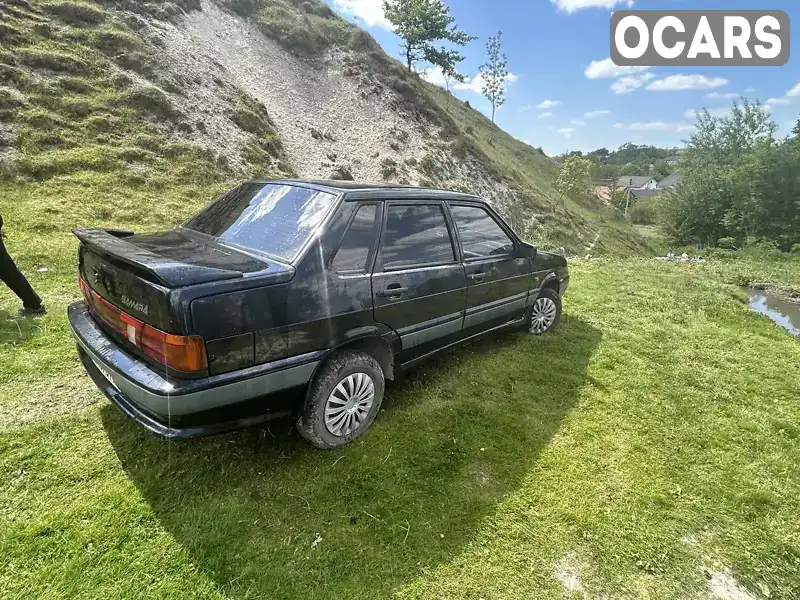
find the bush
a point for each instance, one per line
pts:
(73, 84)
(462, 146)
(9, 35)
(116, 42)
(727, 243)
(76, 13)
(250, 122)
(243, 8)
(138, 62)
(342, 173)
(60, 162)
(795, 249)
(54, 61)
(150, 100)
(388, 168)
(428, 165)
(13, 75)
(645, 211)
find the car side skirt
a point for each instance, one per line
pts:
(448, 347)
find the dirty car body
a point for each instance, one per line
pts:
(192, 331)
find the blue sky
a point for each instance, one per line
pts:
(566, 95)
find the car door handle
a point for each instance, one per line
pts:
(393, 291)
(476, 276)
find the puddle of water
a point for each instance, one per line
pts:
(776, 307)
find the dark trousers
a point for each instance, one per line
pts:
(13, 278)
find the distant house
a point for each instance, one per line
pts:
(637, 183)
(671, 160)
(669, 182)
(645, 193)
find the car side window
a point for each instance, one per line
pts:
(416, 235)
(481, 236)
(357, 242)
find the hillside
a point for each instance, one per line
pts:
(129, 113)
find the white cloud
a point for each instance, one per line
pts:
(794, 92)
(578, 122)
(434, 75)
(368, 11)
(475, 84)
(571, 6)
(723, 96)
(626, 85)
(545, 115)
(566, 131)
(596, 113)
(655, 126)
(606, 69)
(778, 102)
(549, 104)
(687, 82)
(749, 90)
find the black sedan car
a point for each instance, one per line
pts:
(331, 286)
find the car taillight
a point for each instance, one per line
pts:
(185, 353)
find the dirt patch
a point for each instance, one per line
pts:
(318, 111)
(43, 400)
(787, 293)
(723, 586)
(568, 572)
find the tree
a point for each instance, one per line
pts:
(447, 62)
(738, 181)
(796, 130)
(573, 180)
(422, 23)
(494, 73)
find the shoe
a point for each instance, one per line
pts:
(26, 313)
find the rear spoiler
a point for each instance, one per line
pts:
(164, 270)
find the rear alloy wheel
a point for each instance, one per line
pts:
(546, 313)
(349, 404)
(342, 400)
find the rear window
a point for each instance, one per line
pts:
(270, 218)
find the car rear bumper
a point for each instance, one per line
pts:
(158, 401)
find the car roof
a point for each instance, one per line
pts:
(353, 190)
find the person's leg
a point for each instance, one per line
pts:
(14, 279)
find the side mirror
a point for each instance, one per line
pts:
(527, 251)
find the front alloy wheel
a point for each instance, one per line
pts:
(546, 312)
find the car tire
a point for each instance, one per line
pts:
(546, 312)
(342, 400)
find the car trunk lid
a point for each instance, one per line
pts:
(137, 273)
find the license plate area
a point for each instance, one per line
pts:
(105, 373)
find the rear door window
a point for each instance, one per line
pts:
(481, 236)
(416, 235)
(354, 251)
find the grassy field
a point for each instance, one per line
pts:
(648, 449)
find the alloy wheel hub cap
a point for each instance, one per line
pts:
(544, 314)
(349, 403)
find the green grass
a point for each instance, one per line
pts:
(661, 411)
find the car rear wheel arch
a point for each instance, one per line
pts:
(376, 347)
